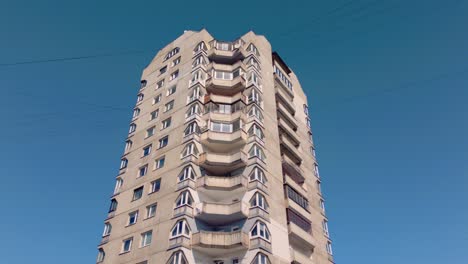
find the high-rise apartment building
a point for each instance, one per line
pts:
(219, 164)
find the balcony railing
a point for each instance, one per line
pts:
(226, 87)
(222, 182)
(220, 239)
(293, 171)
(225, 209)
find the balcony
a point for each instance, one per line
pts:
(288, 148)
(222, 182)
(181, 241)
(183, 210)
(223, 142)
(300, 257)
(293, 171)
(221, 163)
(282, 89)
(286, 128)
(226, 87)
(218, 213)
(224, 99)
(220, 240)
(226, 52)
(286, 116)
(299, 237)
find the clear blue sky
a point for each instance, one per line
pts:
(387, 82)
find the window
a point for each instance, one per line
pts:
(160, 84)
(224, 108)
(169, 106)
(136, 112)
(174, 75)
(143, 84)
(225, 127)
(325, 227)
(127, 245)
(171, 90)
(261, 259)
(107, 229)
(191, 128)
(154, 114)
(150, 131)
(193, 109)
(296, 197)
(151, 210)
(132, 218)
(254, 97)
(146, 238)
(146, 151)
(189, 149)
(258, 200)
(118, 185)
(163, 70)
(255, 111)
(282, 76)
(113, 205)
(224, 75)
(140, 97)
(329, 248)
(155, 185)
(132, 128)
(253, 77)
(199, 47)
(307, 122)
(251, 61)
(175, 62)
(197, 76)
(316, 171)
(172, 53)
(260, 230)
(306, 110)
(181, 228)
(178, 258)
(166, 123)
(157, 99)
(200, 60)
(194, 94)
(322, 205)
(142, 171)
(256, 151)
(258, 175)
(137, 193)
(312, 151)
(128, 145)
(123, 163)
(101, 255)
(187, 174)
(184, 199)
(159, 163)
(257, 131)
(252, 48)
(163, 142)
(319, 187)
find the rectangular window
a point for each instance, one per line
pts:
(151, 210)
(166, 123)
(132, 218)
(175, 62)
(146, 238)
(150, 131)
(329, 248)
(322, 205)
(157, 99)
(155, 186)
(163, 142)
(171, 90)
(146, 151)
(142, 171)
(174, 75)
(160, 84)
(159, 163)
(137, 193)
(169, 106)
(163, 70)
(154, 114)
(127, 245)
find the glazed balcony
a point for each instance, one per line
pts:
(289, 149)
(282, 89)
(220, 213)
(226, 52)
(221, 163)
(223, 142)
(226, 86)
(221, 240)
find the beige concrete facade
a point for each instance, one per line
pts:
(219, 164)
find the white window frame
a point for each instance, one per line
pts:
(132, 128)
(151, 210)
(107, 229)
(261, 228)
(166, 123)
(132, 215)
(184, 199)
(174, 75)
(147, 150)
(187, 174)
(143, 169)
(123, 163)
(176, 61)
(171, 90)
(258, 175)
(118, 185)
(163, 142)
(181, 228)
(146, 238)
(157, 99)
(259, 200)
(130, 240)
(189, 149)
(169, 106)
